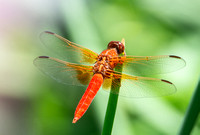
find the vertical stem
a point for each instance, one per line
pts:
(192, 113)
(112, 105)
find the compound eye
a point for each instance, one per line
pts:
(118, 45)
(113, 44)
(120, 48)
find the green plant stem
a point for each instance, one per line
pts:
(192, 113)
(112, 105)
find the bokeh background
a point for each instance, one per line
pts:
(33, 104)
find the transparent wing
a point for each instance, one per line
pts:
(66, 49)
(134, 86)
(149, 65)
(64, 72)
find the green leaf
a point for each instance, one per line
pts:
(192, 113)
(112, 104)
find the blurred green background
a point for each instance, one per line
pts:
(33, 104)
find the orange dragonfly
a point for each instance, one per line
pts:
(71, 70)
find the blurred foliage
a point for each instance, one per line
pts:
(42, 106)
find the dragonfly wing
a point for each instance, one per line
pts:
(66, 49)
(134, 86)
(64, 72)
(150, 65)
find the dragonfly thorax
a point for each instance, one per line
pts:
(104, 64)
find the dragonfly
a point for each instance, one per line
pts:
(77, 65)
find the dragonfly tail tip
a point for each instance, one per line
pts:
(75, 120)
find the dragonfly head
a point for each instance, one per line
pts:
(118, 45)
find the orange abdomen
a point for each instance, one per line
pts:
(88, 96)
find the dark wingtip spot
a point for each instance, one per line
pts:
(49, 32)
(43, 56)
(166, 81)
(174, 56)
